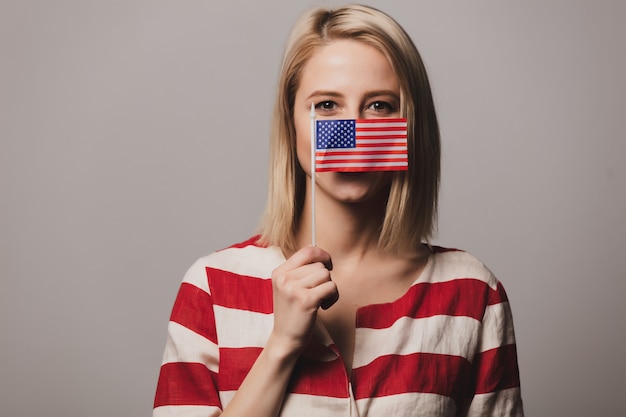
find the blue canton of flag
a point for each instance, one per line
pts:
(336, 134)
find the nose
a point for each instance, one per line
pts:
(353, 111)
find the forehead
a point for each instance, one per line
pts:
(347, 63)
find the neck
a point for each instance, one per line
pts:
(345, 230)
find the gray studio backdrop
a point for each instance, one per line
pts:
(133, 139)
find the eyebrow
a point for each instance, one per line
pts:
(370, 94)
(382, 93)
(327, 93)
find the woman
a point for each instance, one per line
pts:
(404, 329)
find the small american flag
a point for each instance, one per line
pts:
(361, 145)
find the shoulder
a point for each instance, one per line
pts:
(247, 258)
(453, 264)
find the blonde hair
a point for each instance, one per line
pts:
(411, 209)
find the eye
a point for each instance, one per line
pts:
(326, 105)
(381, 107)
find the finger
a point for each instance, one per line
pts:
(309, 276)
(308, 255)
(330, 300)
(326, 293)
(329, 263)
(308, 298)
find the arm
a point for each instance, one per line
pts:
(495, 373)
(188, 380)
(300, 286)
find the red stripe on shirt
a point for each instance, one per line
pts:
(240, 292)
(460, 297)
(310, 376)
(186, 383)
(235, 363)
(193, 309)
(496, 369)
(498, 296)
(441, 249)
(253, 241)
(396, 374)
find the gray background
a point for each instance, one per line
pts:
(134, 140)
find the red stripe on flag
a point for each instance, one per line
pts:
(185, 383)
(496, 369)
(384, 120)
(370, 160)
(418, 372)
(362, 168)
(367, 152)
(460, 297)
(240, 292)
(359, 128)
(193, 310)
(383, 140)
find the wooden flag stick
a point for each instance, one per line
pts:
(313, 147)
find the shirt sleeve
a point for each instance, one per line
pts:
(187, 384)
(495, 383)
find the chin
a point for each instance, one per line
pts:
(366, 178)
(359, 187)
(354, 187)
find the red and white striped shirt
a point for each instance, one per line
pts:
(445, 348)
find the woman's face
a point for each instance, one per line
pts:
(345, 79)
